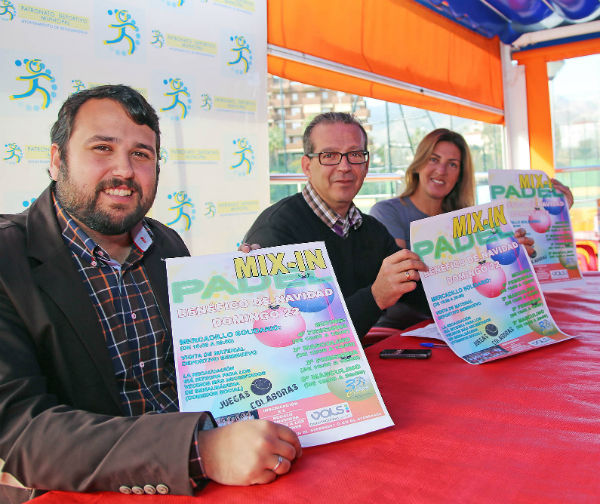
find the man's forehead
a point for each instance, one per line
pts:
(95, 105)
(103, 114)
(337, 132)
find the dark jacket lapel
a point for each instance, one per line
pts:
(55, 274)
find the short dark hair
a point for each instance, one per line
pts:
(136, 106)
(330, 118)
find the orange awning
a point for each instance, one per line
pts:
(393, 50)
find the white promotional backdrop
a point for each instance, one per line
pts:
(200, 63)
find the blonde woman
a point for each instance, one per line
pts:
(440, 179)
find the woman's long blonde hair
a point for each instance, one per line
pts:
(463, 193)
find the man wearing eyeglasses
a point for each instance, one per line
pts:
(371, 271)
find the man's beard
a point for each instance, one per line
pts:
(84, 207)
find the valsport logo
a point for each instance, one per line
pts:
(328, 414)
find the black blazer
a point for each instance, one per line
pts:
(61, 423)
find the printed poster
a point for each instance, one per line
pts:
(543, 212)
(267, 335)
(481, 286)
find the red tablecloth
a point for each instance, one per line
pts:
(525, 429)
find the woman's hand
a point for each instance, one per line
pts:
(560, 187)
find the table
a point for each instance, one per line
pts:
(525, 429)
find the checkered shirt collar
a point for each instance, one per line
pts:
(85, 247)
(330, 217)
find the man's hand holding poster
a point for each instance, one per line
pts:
(481, 286)
(267, 335)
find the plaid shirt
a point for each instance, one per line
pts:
(330, 217)
(136, 336)
(139, 345)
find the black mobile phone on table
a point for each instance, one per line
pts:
(393, 353)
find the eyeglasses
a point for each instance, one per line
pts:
(335, 158)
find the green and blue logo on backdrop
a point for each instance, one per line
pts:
(158, 39)
(7, 10)
(241, 59)
(13, 153)
(179, 97)
(244, 157)
(126, 33)
(37, 86)
(183, 209)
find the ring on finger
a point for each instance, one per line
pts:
(407, 273)
(279, 461)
